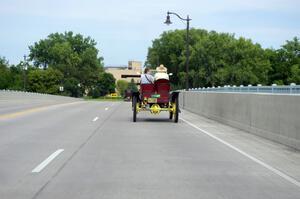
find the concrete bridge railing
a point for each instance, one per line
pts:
(21, 95)
(273, 116)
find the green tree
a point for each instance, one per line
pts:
(132, 86)
(122, 85)
(11, 76)
(17, 78)
(72, 87)
(285, 63)
(295, 74)
(44, 81)
(216, 58)
(5, 77)
(105, 84)
(75, 56)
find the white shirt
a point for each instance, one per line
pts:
(147, 79)
(159, 75)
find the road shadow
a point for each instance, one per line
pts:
(156, 120)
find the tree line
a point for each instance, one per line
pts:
(218, 59)
(63, 63)
(72, 62)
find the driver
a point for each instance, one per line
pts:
(147, 78)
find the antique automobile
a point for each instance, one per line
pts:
(155, 98)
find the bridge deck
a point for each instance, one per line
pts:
(105, 155)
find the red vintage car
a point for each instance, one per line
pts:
(155, 98)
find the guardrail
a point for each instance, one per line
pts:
(287, 89)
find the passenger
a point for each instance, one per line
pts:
(161, 73)
(147, 78)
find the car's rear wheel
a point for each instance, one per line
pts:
(176, 113)
(134, 104)
(170, 115)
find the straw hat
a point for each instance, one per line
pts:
(161, 69)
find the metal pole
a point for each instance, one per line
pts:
(24, 78)
(168, 22)
(187, 53)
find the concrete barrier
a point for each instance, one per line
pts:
(25, 96)
(273, 116)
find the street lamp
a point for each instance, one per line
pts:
(24, 73)
(168, 22)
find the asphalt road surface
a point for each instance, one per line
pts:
(93, 150)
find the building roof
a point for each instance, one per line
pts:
(116, 67)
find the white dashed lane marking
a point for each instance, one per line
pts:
(95, 119)
(41, 166)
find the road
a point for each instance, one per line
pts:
(89, 149)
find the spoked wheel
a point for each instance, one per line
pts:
(134, 104)
(176, 113)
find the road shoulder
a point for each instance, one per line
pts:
(281, 157)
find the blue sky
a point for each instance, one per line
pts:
(125, 29)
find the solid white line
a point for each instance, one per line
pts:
(41, 166)
(95, 119)
(267, 166)
(106, 108)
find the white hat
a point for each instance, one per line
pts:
(162, 69)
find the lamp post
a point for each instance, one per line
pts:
(24, 73)
(168, 22)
